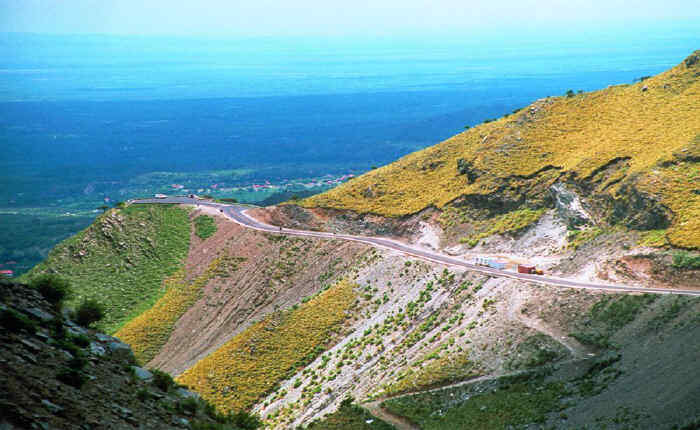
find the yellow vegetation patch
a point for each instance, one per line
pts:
(509, 222)
(655, 238)
(450, 367)
(677, 187)
(147, 333)
(644, 123)
(244, 369)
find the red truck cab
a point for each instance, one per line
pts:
(524, 268)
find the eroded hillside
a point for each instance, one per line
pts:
(289, 328)
(230, 280)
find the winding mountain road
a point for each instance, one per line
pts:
(238, 214)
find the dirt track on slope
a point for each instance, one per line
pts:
(400, 423)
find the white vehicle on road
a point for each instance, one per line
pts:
(160, 196)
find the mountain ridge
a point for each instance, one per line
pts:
(607, 143)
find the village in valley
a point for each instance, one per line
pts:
(266, 187)
(56, 220)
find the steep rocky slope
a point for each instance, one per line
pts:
(57, 374)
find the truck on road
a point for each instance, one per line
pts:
(526, 268)
(502, 265)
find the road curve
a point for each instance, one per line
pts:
(238, 214)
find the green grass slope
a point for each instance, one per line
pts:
(122, 259)
(349, 417)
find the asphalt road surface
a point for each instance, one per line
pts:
(238, 214)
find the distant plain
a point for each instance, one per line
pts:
(92, 120)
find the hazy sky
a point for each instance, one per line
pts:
(329, 17)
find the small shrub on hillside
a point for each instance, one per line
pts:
(211, 412)
(599, 340)
(82, 341)
(204, 226)
(162, 380)
(68, 346)
(77, 363)
(57, 329)
(89, 312)
(54, 289)
(245, 421)
(241, 420)
(203, 425)
(143, 395)
(686, 260)
(74, 378)
(15, 322)
(187, 406)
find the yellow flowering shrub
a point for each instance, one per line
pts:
(509, 222)
(676, 186)
(448, 368)
(148, 332)
(251, 364)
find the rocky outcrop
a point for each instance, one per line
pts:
(692, 59)
(56, 374)
(467, 169)
(569, 206)
(338, 221)
(639, 211)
